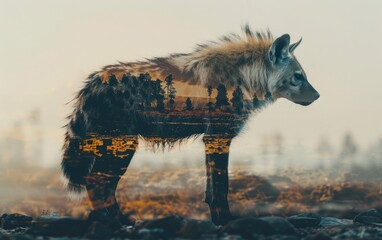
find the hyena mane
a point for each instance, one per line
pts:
(225, 61)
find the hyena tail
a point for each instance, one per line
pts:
(75, 165)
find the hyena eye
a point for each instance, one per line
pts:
(297, 80)
(298, 76)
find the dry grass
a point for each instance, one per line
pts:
(151, 193)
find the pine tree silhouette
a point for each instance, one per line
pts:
(136, 91)
(221, 98)
(169, 81)
(147, 94)
(159, 95)
(170, 91)
(189, 106)
(238, 100)
(172, 98)
(256, 102)
(210, 105)
(209, 90)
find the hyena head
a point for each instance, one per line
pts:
(286, 78)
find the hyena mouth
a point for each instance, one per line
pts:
(304, 103)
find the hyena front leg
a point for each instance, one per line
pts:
(107, 170)
(217, 152)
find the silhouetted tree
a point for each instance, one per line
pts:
(210, 105)
(171, 102)
(238, 100)
(209, 90)
(135, 84)
(324, 149)
(170, 91)
(324, 152)
(158, 93)
(147, 90)
(221, 98)
(133, 95)
(169, 83)
(349, 147)
(189, 106)
(268, 97)
(256, 102)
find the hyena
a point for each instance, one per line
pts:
(111, 111)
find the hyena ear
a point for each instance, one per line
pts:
(279, 49)
(293, 46)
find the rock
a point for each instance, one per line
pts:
(231, 237)
(280, 225)
(15, 220)
(305, 220)
(369, 217)
(58, 226)
(4, 235)
(249, 226)
(279, 237)
(98, 230)
(333, 222)
(194, 229)
(152, 234)
(319, 236)
(171, 224)
(125, 232)
(104, 216)
(18, 236)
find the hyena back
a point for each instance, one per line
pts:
(122, 102)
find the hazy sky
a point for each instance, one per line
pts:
(47, 48)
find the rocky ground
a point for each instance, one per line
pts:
(366, 225)
(294, 204)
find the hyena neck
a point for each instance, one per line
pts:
(232, 61)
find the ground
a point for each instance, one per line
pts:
(152, 194)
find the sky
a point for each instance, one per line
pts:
(47, 49)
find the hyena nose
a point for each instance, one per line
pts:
(316, 96)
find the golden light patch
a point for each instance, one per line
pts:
(120, 146)
(91, 145)
(216, 145)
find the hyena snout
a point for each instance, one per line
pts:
(307, 95)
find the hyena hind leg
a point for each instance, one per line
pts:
(102, 182)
